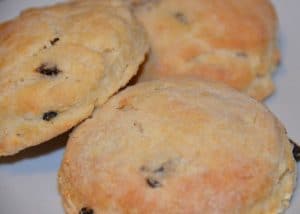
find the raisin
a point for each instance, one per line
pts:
(54, 41)
(242, 54)
(144, 168)
(49, 115)
(166, 167)
(138, 126)
(296, 150)
(49, 70)
(160, 169)
(86, 210)
(181, 17)
(153, 183)
(145, 3)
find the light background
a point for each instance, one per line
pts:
(28, 180)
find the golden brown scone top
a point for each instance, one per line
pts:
(178, 147)
(233, 41)
(58, 62)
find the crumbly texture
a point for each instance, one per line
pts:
(232, 41)
(178, 147)
(58, 62)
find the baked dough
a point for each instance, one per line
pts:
(232, 41)
(58, 62)
(178, 147)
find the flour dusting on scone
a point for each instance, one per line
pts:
(58, 62)
(178, 147)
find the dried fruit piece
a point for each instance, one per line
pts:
(153, 183)
(296, 150)
(48, 69)
(241, 54)
(49, 115)
(86, 210)
(52, 42)
(181, 17)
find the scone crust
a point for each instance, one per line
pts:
(231, 41)
(58, 62)
(178, 147)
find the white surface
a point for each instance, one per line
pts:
(28, 180)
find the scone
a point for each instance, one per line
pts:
(58, 62)
(232, 41)
(178, 147)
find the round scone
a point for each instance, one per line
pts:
(58, 62)
(178, 147)
(231, 41)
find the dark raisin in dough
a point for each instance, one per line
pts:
(86, 210)
(296, 150)
(138, 126)
(54, 41)
(181, 17)
(153, 183)
(49, 70)
(160, 169)
(242, 54)
(144, 3)
(49, 115)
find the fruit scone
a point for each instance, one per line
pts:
(59, 62)
(233, 41)
(178, 147)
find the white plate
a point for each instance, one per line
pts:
(28, 180)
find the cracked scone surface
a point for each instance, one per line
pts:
(178, 147)
(232, 41)
(58, 62)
